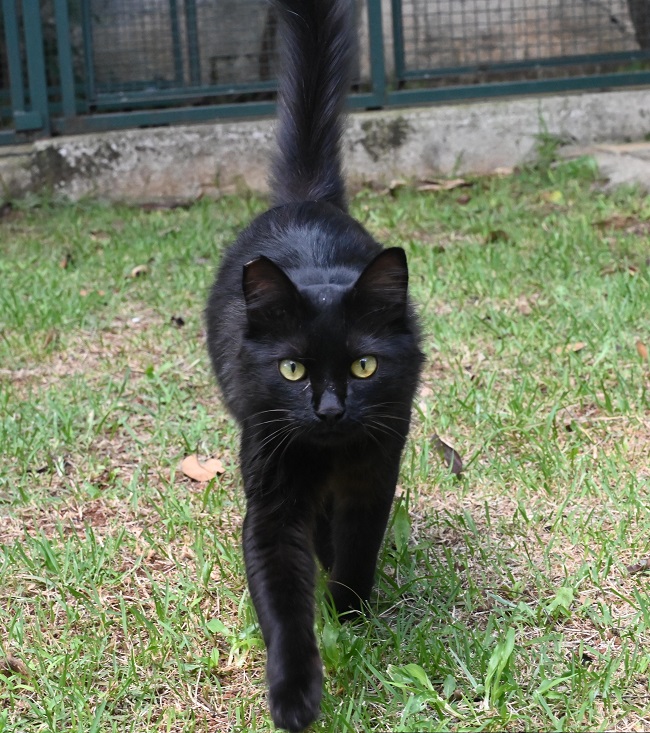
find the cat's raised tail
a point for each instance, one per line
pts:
(318, 45)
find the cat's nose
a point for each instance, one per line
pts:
(330, 408)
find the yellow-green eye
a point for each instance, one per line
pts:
(364, 367)
(292, 370)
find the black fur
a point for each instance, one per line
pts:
(306, 283)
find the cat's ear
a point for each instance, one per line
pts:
(382, 288)
(269, 293)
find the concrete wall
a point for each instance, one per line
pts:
(186, 162)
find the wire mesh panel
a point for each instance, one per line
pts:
(471, 41)
(202, 48)
(137, 45)
(73, 65)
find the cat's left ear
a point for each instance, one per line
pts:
(382, 288)
(269, 293)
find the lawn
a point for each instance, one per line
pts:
(513, 597)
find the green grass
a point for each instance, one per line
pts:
(504, 599)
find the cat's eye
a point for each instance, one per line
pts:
(364, 367)
(292, 370)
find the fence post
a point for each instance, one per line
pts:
(36, 65)
(13, 56)
(376, 44)
(192, 34)
(64, 44)
(37, 116)
(398, 39)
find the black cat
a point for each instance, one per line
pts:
(316, 349)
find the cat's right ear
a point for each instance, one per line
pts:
(269, 293)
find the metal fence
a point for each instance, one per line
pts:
(77, 65)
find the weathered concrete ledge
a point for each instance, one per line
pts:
(186, 162)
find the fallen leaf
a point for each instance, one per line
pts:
(198, 470)
(639, 567)
(395, 185)
(38, 469)
(448, 454)
(642, 350)
(615, 267)
(628, 224)
(525, 304)
(614, 222)
(66, 261)
(138, 271)
(497, 235)
(51, 336)
(570, 348)
(98, 235)
(447, 184)
(165, 205)
(12, 665)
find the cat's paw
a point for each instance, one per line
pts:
(294, 700)
(347, 604)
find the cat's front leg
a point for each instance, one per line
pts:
(280, 570)
(362, 507)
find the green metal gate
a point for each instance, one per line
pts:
(78, 65)
(23, 83)
(457, 49)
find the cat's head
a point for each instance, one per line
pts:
(330, 363)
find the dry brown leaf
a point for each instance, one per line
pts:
(448, 454)
(639, 567)
(12, 665)
(165, 205)
(443, 184)
(571, 348)
(642, 350)
(138, 271)
(198, 470)
(616, 267)
(628, 224)
(98, 235)
(497, 235)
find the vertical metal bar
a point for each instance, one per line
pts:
(192, 33)
(376, 43)
(398, 39)
(87, 30)
(13, 56)
(64, 47)
(177, 49)
(36, 61)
